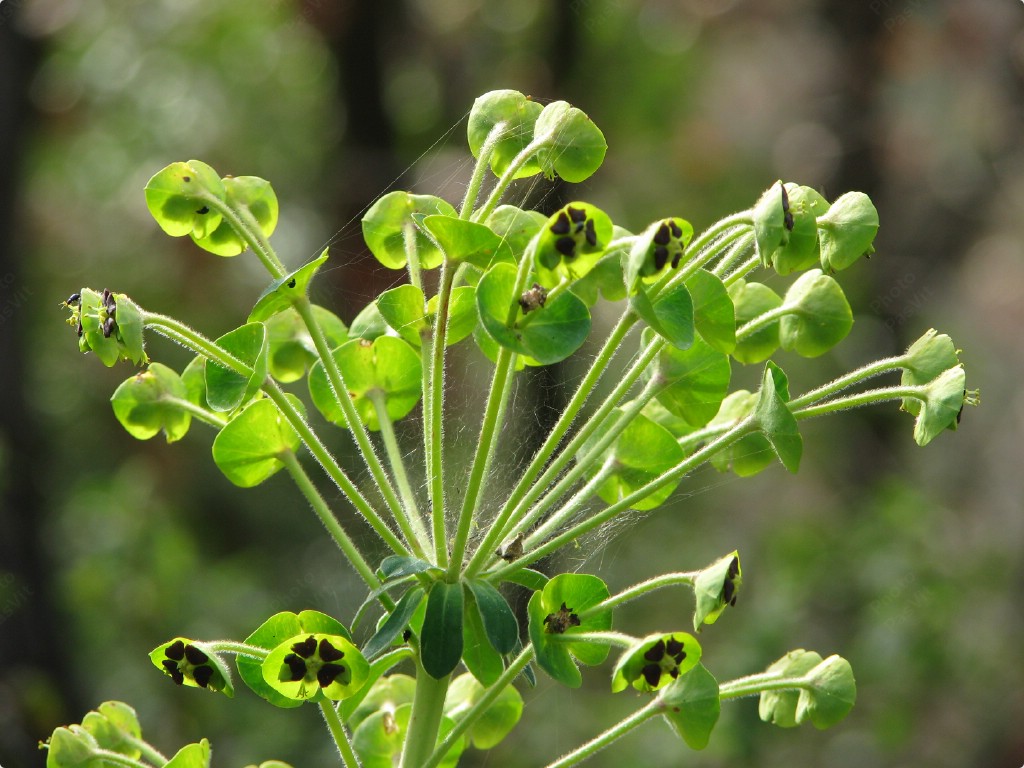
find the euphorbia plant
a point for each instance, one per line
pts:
(438, 674)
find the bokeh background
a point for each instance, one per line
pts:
(908, 561)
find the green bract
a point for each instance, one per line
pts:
(380, 738)
(846, 231)
(516, 115)
(656, 661)
(496, 723)
(822, 691)
(799, 248)
(570, 243)
(696, 380)
(775, 420)
(285, 291)
(927, 358)
(311, 666)
(151, 401)
(715, 587)
(392, 232)
(274, 632)
(571, 146)
(658, 247)
(382, 373)
(115, 727)
(248, 197)
(193, 664)
(555, 616)
(691, 705)
(817, 315)
(252, 445)
(226, 389)
(752, 300)
(179, 198)
(292, 351)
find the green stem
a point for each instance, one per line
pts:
(480, 707)
(180, 333)
(249, 230)
(506, 179)
(735, 252)
(330, 522)
(103, 756)
(425, 718)
(483, 162)
(198, 412)
(611, 735)
(358, 429)
(149, 752)
(433, 416)
(568, 510)
(868, 397)
(612, 639)
(594, 452)
(412, 256)
(639, 590)
(752, 685)
(870, 370)
(742, 270)
(762, 321)
(673, 475)
(239, 649)
(409, 521)
(334, 725)
(481, 459)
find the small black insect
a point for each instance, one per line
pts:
(203, 211)
(74, 300)
(787, 218)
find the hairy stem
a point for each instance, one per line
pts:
(611, 735)
(433, 416)
(425, 719)
(341, 740)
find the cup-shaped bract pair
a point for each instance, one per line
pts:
(716, 587)
(190, 198)
(571, 242)
(932, 364)
(109, 324)
(193, 664)
(655, 661)
(821, 691)
(517, 131)
(315, 666)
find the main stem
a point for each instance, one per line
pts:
(425, 719)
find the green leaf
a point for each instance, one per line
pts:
(847, 230)
(395, 623)
(399, 566)
(655, 661)
(752, 300)
(818, 315)
(386, 367)
(193, 664)
(463, 241)
(944, 398)
(697, 380)
(516, 227)
(292, 351)
(527, 577)
(713, 310)
(716, 587)
(573, 147)
(496, 723)
(225, 389)
(178, 197)
(670, 315)
(191, 756)
(249, 448)
(557, 611)
(314, 666)
(284, 292)
(750, 454)
(269, 635)
(403, 309)
(779, 707)
(692, 706)
(478, 654)
(604, 279)
(441, 639)
(252, 199)
(927, 358)
(497, 617)
(548, 334)
(830, 694)
(71, 747)
(115, 726)
(799, 249)
(571, 242)
(518, 114)
(150, 402)
(386, 693)
(368, 324)
(390, 221)
(642, 452)
(775, 420)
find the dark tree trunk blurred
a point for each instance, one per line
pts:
(34, 679)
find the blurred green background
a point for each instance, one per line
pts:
(907, 561)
